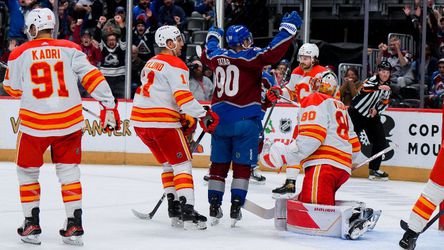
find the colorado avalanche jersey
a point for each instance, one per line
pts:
(237, 76)
(164, 92)
(325, 133)
(299, 85)
(44, 73)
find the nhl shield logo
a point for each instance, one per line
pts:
(285, 125)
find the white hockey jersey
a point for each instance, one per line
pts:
(325, 133)
(44, 73)
(165, 92)
(299, 85)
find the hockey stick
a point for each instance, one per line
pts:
(386, 150)
(261, 135)
(405, 225)
(258, 210)
(285, 98)
(149, 216)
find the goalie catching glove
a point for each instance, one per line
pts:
(276, 155)
(109, 117)
(209, 122)
(188, 123)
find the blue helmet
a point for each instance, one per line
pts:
(237, 34)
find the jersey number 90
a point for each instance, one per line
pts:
(227, 81)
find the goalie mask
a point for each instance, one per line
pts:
(326, 82)
(42, 19)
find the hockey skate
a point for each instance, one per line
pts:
(257, 176)
(235, 211)
(408, 240)
(192, 220)
(372, 216)
(361, 221)
(30, 231)
(287, 191)
(73, 230)
(378, 175)
(174, 211)
(215, 211)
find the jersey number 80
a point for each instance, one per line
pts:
(227, 80)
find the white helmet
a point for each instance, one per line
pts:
(165, 33)
(42, 19)
(326, 82)
(309, 49)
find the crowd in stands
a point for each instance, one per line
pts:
(98, 26)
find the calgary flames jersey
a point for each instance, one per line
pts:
(164, 93)
(299, 85)
(325, 133)
(44, 73)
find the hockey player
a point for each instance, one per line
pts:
(44, 73)
(156, 119)
(324, 148)
(298, 88)
(432, 195)
(237, 101)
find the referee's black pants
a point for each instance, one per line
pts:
(375, 133)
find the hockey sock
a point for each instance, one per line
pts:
(183, 181)
(72, 197)
(239, 186)
(168, 180)
(293, 172)
(216, 184)
(29, 197)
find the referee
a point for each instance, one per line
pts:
(371, 100)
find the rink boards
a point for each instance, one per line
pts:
(416, 132)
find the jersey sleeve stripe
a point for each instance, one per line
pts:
(182, 97)
(12, 92)
(356, 145)
(313, 135)
(92, 80)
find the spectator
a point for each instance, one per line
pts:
(350, 85)
(73, 33)
(17, 9)
(431, 65)
(200, 85)
(282, 72)
(143, 9)
(113, 56)
(112, 6)
(206, 8)
(92, 52)
(137, 65)
(143, 39)
(400, 60)
(186, 5)
(112, 26)
(90, 11)
(170, 14)
(434, 99)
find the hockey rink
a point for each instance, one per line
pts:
(110, 192)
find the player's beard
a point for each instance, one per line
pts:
(305, 66)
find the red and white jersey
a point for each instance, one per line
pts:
(325, 133)
(44, 73)
(299, 85)
(164, 92)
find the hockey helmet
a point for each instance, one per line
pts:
(309, 49)
(326, 82)
(165, 33)
(42, 19)
(237, 34)
(384, 65)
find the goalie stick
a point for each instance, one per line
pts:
(384, 151)
(405, 225)
(150, 215)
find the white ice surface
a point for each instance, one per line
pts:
(111, 191)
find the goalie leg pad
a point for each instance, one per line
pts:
(216, 184)
(69, 178)
(431, 196)
(183, 181)
(29, 189)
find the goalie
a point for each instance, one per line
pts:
(324, 147)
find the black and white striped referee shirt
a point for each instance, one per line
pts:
(370, 96)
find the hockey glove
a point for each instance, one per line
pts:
(209, 122)
(109, 117)
(291, 22)
(218, 33)
(274, 94)
(188, 123)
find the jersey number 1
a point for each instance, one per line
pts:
(41, 74)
